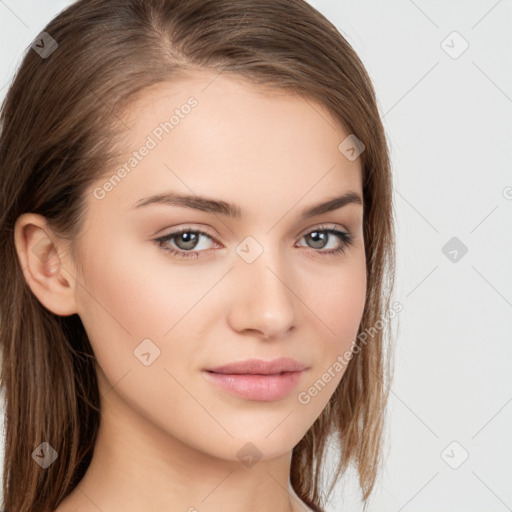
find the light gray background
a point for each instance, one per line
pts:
(449, 123)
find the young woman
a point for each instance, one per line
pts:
(197, 255)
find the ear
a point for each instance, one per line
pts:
(47, 270)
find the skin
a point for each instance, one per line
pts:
(169, 439)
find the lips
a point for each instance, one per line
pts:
(256, 379)
(259, 367)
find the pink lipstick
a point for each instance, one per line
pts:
(256, 379)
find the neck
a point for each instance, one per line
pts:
(137, 466)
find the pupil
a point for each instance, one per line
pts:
(189, 240)
(319, 236)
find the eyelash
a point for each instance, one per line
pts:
(345, 237)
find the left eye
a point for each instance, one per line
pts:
(186, 240)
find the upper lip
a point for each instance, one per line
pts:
(260, 367)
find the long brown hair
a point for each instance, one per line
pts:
(60, 125)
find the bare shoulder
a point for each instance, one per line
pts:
(303, 507)
(73, 503)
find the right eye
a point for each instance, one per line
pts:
(184, 244)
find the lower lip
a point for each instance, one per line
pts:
(257, 387)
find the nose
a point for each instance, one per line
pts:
(263, 297)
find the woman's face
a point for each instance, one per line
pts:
(263, 281)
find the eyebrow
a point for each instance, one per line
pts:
(210, 205)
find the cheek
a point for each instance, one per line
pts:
(130, 285)
(346, 306)
(133, 293)
(339, 301)
(338, 310)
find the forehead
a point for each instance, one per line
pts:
(219, 135)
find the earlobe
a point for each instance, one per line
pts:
(42, 262)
